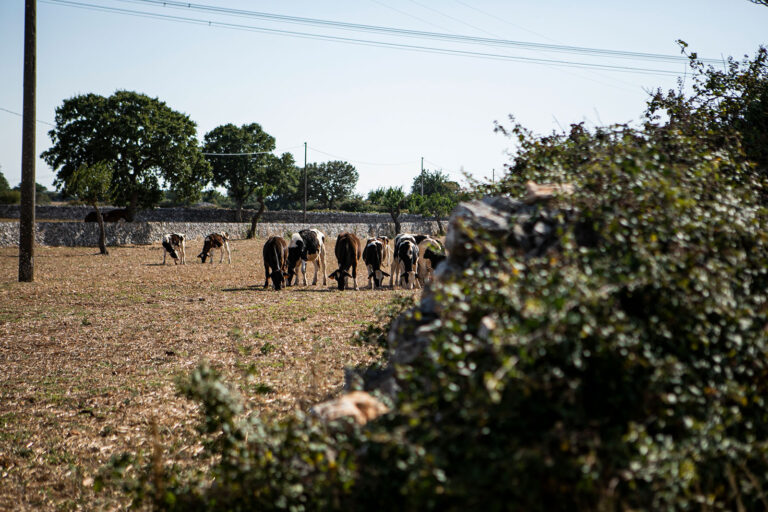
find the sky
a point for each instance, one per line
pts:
(384, 106)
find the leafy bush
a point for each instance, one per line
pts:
(626, 370)
(10, 197)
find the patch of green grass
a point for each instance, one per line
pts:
(267, 348)
(262, 389)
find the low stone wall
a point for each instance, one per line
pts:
(86, 234)
(217, 215)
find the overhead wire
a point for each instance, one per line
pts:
(364, 42)
(413, 33)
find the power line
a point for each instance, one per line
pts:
(364, 42)
(414, 33)
(358, 161)
(20, 115)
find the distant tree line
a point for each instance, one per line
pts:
(155, 159)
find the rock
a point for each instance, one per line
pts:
(359, 405)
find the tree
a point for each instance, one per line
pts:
(436, 206)
(91, 184)
(392, 200)
(7, 195)
(146, 143)
(331, 182)
(242, 163)
(4, 186)
(433, 182)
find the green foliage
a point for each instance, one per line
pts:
(331, 182)
(91, 184)
(4, 186)
(253, 175)
(392, 200)
(727, 106)
(625, 370)
(10, 197)
(433, 182)
(146, 143)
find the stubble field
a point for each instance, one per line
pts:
(90, 351)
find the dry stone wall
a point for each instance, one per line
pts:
(217, 215)
(85, 234)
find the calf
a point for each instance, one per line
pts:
(275, 261)
(173, 245)
(405, 261)
(348, 250)
(431, 252)
(216, 241)
(375, 256)
(306, 245)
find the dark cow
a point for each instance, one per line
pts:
(173, 246)
(348, 250)
(108, 216)
(216, 241)
(375, 255)
(275, 261)
(405, 262)
(308, 245)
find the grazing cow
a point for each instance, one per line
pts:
(431, 252)
(405, 261)
(108, 216)
(173, 245)
(216, 241)
(275, 261)
(306, 245)
(375, 255)
(348, 250)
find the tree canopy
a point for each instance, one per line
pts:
(393, 200)
(244, 165)
(148, 145)
(329, 183)
(91, 184)
(433, 182)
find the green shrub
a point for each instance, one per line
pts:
(10, 197)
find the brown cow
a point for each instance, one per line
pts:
(275, 261)
(216, 241)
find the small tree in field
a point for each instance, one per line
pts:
(91, 185)
(393, 200)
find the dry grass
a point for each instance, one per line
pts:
(89, 353)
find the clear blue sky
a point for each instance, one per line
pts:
(381, 109)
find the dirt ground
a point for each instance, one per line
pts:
(90, 351)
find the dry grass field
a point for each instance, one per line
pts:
(89, 353)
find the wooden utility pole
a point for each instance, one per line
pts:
(27, 215)
(422, 176)
(305, 184)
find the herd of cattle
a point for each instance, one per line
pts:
(411, 258)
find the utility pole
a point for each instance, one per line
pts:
(422, 176)
(493, 175)
(27, 213)
(305, 183)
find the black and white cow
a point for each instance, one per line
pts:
(348, 250)
(405, 262)
(275, 261)
(308, 245)
(376, 256)
(216, 241)
(173, 246)
(431, 252)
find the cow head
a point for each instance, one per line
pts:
(378, 277)
(341, 278)
(278, 278)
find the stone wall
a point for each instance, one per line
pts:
(85, 234)
(217, 215)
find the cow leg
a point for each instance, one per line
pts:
(266, 275)
(393, 273)
(183, 254)
(322, 262)
(317, 267)
(304, 272)
(354, 274)
(165, 253)
(369, 268)
(229, 254)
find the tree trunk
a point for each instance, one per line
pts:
(133, 205)
(396, 220)
(255, 219)
(239, 212)
(102, 231)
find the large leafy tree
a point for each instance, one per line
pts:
(148, 145)
(242, 162)
(329, 183)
